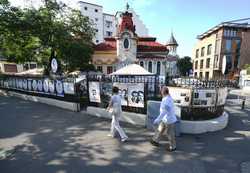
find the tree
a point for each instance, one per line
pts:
(247, 68)
(36, 34)
(184, 65)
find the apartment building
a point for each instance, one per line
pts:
(106, 25)
(227, 43)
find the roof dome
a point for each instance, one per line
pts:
(172, 41)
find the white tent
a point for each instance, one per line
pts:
(132, 69)
(35, 71)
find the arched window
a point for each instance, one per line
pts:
(142, 63)
(150, 66)
(158, 67)
(126, 43)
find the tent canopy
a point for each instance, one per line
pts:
(132, 69)
(35, 71)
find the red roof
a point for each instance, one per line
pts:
(145, 44)
(106, 46)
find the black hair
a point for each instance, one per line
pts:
(115, 90)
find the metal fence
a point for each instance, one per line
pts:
(59, 88)
(134, 90)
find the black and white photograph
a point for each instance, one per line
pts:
(107, 88)
(123, 92)
(34, 85)
(25, 84)
(59, 88)
(46, 85)
(51, 86)
(222, 96)
(40, 85)
(68, 88)
(181, 96)
(20, 84)
(29, 84)
(136, 95)
(94, 92)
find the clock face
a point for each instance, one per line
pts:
(126, 43)
(54, 65)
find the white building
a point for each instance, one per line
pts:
(106, 25)
(126, 48)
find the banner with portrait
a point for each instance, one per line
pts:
(51, 86)
(94, 92)
(204, 97)
(123, 92)
(68, 88)
(59, 88)
(222, 96)
(136, 95)
(181, 96)
(107, 89)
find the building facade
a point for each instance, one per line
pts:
(128, 48)
(106, 25)
(222, 51)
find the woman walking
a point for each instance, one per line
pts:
(116, 111)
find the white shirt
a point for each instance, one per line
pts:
(116, 104)
(167, 112)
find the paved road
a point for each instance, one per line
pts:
(44, 139)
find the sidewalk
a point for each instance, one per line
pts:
(51, 140)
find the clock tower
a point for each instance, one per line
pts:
(126, 40)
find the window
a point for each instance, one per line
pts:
(96, 10)
(158, 67)
(99, 68)
(142, 63)
(197, 53)
(85, 8)
(96, 30)
(238, 45)
(108, 24)
(201, 64)
(208, 63)
(96, 19)
(196, 65)
(109, 69)
(200, 75)
(150, 66)
(228, 63)
(228, 46)
(236, 61)
(195, 74)
(108, 34)
(209, 49)
(97, 41)
(202, 51)
(126, 43)
(207, 75)
(216, 60)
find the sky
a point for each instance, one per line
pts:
(186, 18)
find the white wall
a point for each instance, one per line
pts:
(95, 17)
(109, 27)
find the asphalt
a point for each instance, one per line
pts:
(37, 138)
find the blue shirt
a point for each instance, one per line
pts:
(167, 112)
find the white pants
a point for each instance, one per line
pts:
(115, 126)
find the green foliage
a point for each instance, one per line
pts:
(247, 67)
(34, 34)
(184, 65)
